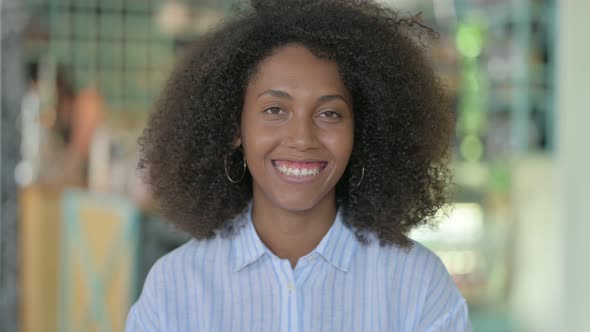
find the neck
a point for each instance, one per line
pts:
(292, 234)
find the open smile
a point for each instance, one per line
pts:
(299, 169)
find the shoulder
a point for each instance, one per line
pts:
(443, 307)
(417, 278)
(416, 266)
(192, 253)
(178, 255)
(436, 276)
(171, 275)
(414, 259)
(160, 288)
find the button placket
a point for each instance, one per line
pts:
(290, 302)
(289, 299)
(289, 275)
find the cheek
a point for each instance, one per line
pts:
(343, 154)
(257, 143)
(340, 144)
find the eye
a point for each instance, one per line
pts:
(329, 115)
(274, 111)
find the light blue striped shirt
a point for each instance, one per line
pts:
(237, 284)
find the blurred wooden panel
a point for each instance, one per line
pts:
(39, 248)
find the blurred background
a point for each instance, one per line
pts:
(79, 231)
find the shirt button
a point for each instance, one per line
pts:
(290, 286)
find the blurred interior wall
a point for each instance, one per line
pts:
(12, 85)
(536, 286)
(573, 161)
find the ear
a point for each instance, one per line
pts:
(237, 142)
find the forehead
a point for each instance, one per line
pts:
(295, 67)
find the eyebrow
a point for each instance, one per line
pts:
(285, 95)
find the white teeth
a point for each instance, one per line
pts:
(298, 172)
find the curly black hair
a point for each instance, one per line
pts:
(403, 125)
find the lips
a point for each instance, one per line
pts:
(299, 168)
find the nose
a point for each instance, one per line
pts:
(301, 133)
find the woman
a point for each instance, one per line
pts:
(298, 144)
(66, 147)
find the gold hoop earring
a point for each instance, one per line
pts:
(227, 173)
(362, 177)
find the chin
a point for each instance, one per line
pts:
(299, 203)
(293, 198)
(296, 205)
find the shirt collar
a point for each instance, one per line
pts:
(337, 247)
(247, 246)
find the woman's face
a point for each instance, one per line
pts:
(297, 129)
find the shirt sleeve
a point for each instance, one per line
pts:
(445, 308)
(143, 315)
(457, 320)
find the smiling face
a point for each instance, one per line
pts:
(297, 130)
